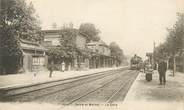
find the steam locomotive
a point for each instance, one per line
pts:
(136, 63)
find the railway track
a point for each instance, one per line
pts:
(122, 90)
(74, 94)
(84, 95)
(112, 97)
(25, 93)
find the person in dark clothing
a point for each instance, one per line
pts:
(51, 69)
(162, 68)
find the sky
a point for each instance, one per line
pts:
(133, 24)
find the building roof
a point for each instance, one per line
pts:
(101, 43)
(51, 31)
(28, 45)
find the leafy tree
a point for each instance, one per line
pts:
(67, 48)
(20, 19)
(175, 38)
(67, 40)
(117, 52)
(56, 53)
(160, 52)
(17, 21)
(174, 42)
(90, 30)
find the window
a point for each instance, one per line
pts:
(42, 61)
(38, 60)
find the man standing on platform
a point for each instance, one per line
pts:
(51, 68)
(162, 68)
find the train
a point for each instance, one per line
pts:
(136, 63)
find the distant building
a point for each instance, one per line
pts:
(99, 47)
(81, 60)
(101, 55)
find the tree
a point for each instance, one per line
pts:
(56, 54)
(67, 37)
(160, 52)
(175, 38)
(174, 42)
(116, 52)
(17, 21)
(90, 30)
(67, 48)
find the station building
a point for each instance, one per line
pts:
(85, 56)
(34, 56)
(101, 55)
(80, 59)
(32, 59)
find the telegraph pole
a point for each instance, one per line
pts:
(154, 46)
(154, 54)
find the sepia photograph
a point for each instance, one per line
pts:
(92, 54)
